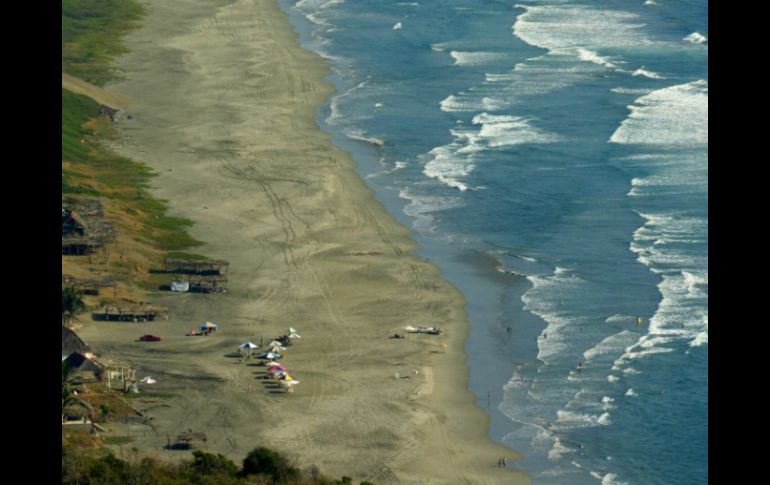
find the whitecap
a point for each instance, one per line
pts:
(676, 115)
(630, 392)
(696, 38)
(590, 56)
(612, 479)
(621, 90)
(649, 74)
(474, 58)
(702, 338)
(397, 26)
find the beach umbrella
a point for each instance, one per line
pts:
(248, 345)
(293, 333)
(269, 355)
(275, 349)
(148, 380)
(275, 343)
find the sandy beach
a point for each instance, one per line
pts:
(222, 101)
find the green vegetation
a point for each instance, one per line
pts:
(71, 303)
(95, 170)
(92, 32)
(118, 440)
(261, 467)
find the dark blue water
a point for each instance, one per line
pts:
(551, 157)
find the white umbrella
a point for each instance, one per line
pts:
(249, 345)
(270, 355)
(293, 333)
(149, 380)
(275, 343)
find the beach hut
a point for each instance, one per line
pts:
(70, 342)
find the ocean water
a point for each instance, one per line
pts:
(551, 158)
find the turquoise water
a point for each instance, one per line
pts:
(551, 158)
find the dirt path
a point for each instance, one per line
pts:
(96, 93)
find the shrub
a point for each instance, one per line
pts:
(264, 461)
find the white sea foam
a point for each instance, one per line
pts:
(570, 420)
(493, 104)
(676, 116)
(450, 163)
(695, 283)
(378, 105)
(702, 338)
(558, 450)
(611, 478)
(649, 74)
(570, 27)
(650, 2)
(696, 38)
(537, 301)
(612, 344)
(452, 104)
(421, 208)
(397, 26)
(631, 90)
(474, 58)
(612, 378)
(503, 130)
(630, 392)
(604, 419)
(590, 56)
(335, 117)
(619, 318)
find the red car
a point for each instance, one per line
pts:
(149, 338)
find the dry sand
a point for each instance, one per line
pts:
(222, 104)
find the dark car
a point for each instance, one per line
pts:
(149, 338)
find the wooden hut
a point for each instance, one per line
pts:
(193, 266)
(72, 223)
(70, 342)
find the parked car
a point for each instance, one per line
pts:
(149, 338)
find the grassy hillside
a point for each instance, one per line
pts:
(91, 36)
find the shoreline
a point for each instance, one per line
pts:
(223, 103)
